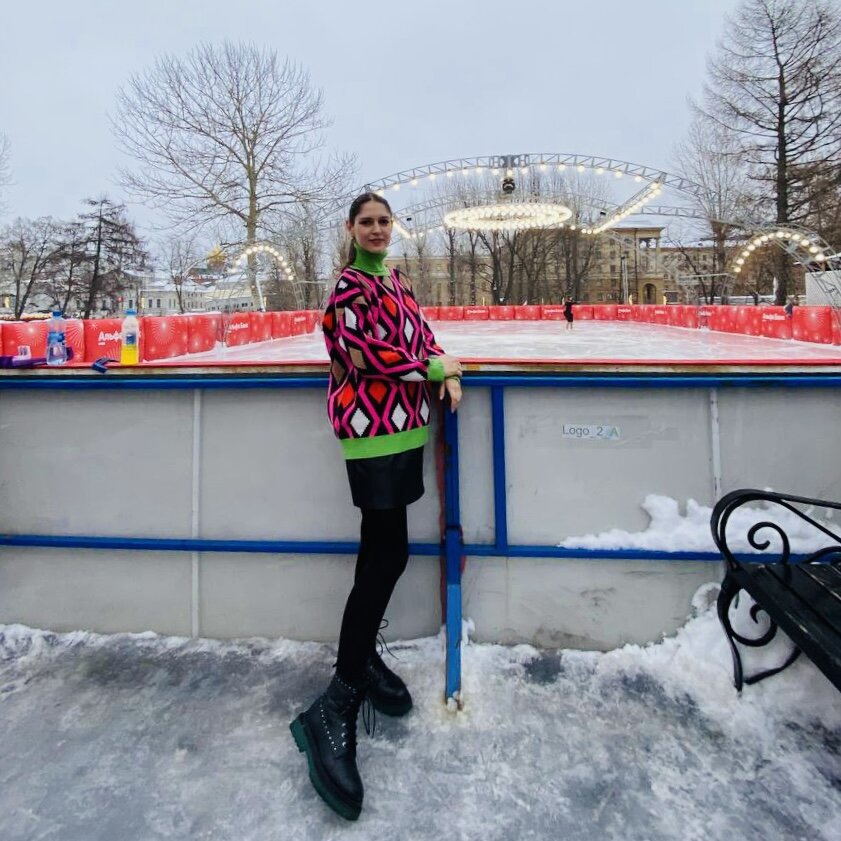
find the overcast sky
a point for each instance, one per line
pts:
(405, 83)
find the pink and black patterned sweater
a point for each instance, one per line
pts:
(382, 355)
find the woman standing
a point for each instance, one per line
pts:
(568, 314)
(382, 355)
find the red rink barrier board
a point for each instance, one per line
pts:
(502, 312)
(690, 317)
(624, 312)
(300, 322)
(604, 312)
(261, 326)
(660, 315)
(836, 329)
(812, 324)
(430, 313)
(238, 329)
(31, 333)
(314, 320)
(102, 338)
(582, 311)
(527, 312)
(202, 331)
(281, 325)
(674, 315)
(748, 321)
(163, 336)
(476, 314)
(450, 313)
(774, 323)
(74, 336)
(552, 312)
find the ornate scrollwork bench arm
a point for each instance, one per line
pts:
(765, 572)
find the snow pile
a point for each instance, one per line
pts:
(671, 531)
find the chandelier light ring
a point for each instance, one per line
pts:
(507, 217)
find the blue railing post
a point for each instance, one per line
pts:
(453, 542)
(500, 492)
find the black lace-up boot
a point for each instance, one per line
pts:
(326, 732)
(386, 691)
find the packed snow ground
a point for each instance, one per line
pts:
(589, 341)
(146, 737)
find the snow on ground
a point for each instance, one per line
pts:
(671, 531)
(590, 341)
(146, 737)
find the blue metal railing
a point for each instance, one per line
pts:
(454, 548)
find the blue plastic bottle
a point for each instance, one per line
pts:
(56, 341)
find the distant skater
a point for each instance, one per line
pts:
(570, 318)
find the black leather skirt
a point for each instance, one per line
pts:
(386, 481)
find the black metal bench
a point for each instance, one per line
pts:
(801, 595)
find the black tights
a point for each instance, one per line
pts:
(383, 555)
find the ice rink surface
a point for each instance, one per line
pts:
(146, 738)
(589, 341)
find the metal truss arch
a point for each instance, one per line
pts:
(525, 162)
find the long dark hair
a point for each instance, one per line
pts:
(355, 208)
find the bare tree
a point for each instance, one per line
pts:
(113, 245)
(227, 132)
(775, 86)
(180, 253)
(30, 250)
(5, 168)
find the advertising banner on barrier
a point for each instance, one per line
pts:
(552, 312)
(605, 312)
(162, 337)
(300, 322)
(202, 331)
(624, 312)
(527, 312)
(690, 317)
(430, 313)
(748, 320)
(674, 315)
(261, 326)
(476, 313)
(281, 325)
(74, 337)
(501, 312)
(102, 338)
(32, 334)
(774, 323)
(812, 324)
(660, 315)
(450, 313)
(237, 329)
(584, 312)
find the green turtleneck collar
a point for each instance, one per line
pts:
(370, 263)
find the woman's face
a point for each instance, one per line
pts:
(372, 227)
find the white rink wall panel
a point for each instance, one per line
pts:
(109, 463)
(106, 591)
(475, 445)
(560, 485)
(784, 439)
(304, 598)
(580, 603)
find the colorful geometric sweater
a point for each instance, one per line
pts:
(382, 355)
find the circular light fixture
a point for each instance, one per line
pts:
(507, 217)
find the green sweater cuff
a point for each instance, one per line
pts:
(435, 371)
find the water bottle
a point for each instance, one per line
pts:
(56, 342)
(130, 339)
